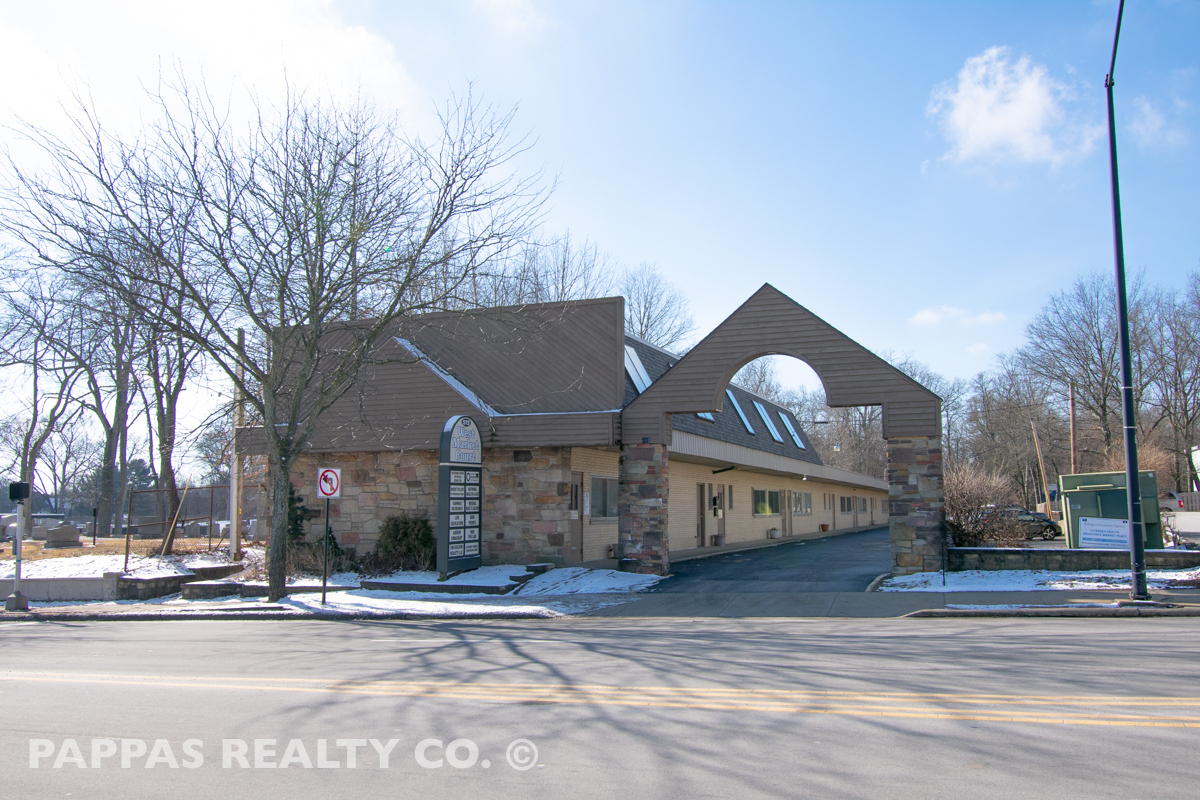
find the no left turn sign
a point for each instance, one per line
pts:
(329, 483)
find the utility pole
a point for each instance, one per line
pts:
(1037, 445)
(1071, 404)
(1133, 488)
(235, 459)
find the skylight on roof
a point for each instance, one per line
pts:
(787, 423)
(706, 415)
(741, 414)
(762, 412)
(637, 372)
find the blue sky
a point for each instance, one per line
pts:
(921, 175)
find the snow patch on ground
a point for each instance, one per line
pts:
(484, 576)
(375, 602)
(95, 567)
(1026, 580)
(579, 580)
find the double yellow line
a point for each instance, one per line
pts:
(1146, 711)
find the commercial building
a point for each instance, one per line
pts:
(597, 445)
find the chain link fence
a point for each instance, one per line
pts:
(201, 509)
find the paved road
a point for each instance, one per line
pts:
(617, 708)
(843, 563)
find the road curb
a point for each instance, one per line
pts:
(1064, 611)
(252, 615)
(873, 586)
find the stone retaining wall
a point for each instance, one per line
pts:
(1004, 558)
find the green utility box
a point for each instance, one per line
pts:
(1102, 494)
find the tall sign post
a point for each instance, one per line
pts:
(329, 486)
(460, 491)
(18, 493)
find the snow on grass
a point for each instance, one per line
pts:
(95, 567)
(579, 580)
(484, 576)
(1026, 580)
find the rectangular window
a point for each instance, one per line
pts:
(766, 418)
(707, 416)
(738, 409)
(766, 503)
(791, 429)
(862, 505)
(604, 498)
(802, 504)
(637, 372)
(731, 497)
(847, 505)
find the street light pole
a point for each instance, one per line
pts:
(1133, 488)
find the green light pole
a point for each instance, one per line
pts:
(1133, 487)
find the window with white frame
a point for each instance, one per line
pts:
(802, 504)
(766, 418)
(637, 372)
(741, 414)
(846, 504)
(791, 429)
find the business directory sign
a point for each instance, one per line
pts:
(460, 497)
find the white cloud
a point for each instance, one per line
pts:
(936, 315)
(110, 50)
(512, 17)
(1150, 129)
(1005, 110)
(977, 348)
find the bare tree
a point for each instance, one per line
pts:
(1074, 336)
(313, 231)
(36, 326)
(654, 309)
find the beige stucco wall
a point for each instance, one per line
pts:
(742, 525)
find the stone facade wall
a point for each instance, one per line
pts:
(916, 504)
(642, 504)
(1002, 558)
(524, 505)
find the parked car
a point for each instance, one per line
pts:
(1033, 524)
(1170, 502)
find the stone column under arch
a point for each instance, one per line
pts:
(916, 504)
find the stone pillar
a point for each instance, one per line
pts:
(916, 504)
(642, 506)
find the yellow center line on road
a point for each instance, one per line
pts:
(1043, 709)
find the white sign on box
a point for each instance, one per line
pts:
(1096, 533)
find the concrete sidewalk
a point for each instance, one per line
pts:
(884, 604)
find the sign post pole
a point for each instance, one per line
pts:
(325, 560)
(460, 492)
(16, 601)
(329, 486)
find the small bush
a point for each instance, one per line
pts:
(405, 543)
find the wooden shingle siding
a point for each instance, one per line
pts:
(772, 323)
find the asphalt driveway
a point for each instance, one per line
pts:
(840, 563)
